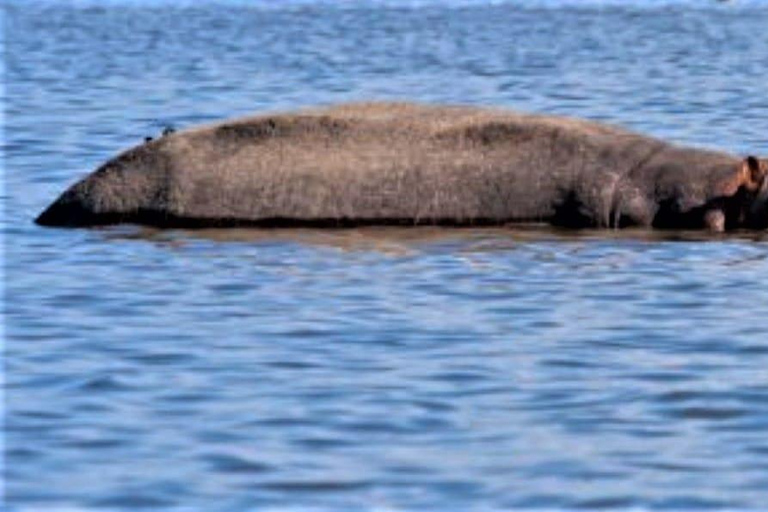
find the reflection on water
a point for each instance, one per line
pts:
(386, 238)
(378, 368)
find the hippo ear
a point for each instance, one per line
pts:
(756, 172)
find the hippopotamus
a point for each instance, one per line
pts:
(408, 164)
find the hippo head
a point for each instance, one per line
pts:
(756, 171)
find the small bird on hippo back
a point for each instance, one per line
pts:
(168, 130)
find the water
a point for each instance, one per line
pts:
(378, 369)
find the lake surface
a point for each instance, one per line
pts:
(377, 369)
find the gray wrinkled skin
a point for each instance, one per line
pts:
(404, 164)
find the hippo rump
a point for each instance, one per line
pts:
(404, 164)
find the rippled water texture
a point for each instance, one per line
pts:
(379, 368)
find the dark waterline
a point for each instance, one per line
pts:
(378, 368)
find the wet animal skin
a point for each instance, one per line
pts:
(408, 164)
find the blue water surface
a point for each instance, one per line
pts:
(377, 369)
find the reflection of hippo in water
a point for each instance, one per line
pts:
(403, 164)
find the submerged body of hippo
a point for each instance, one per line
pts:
(403, 164)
